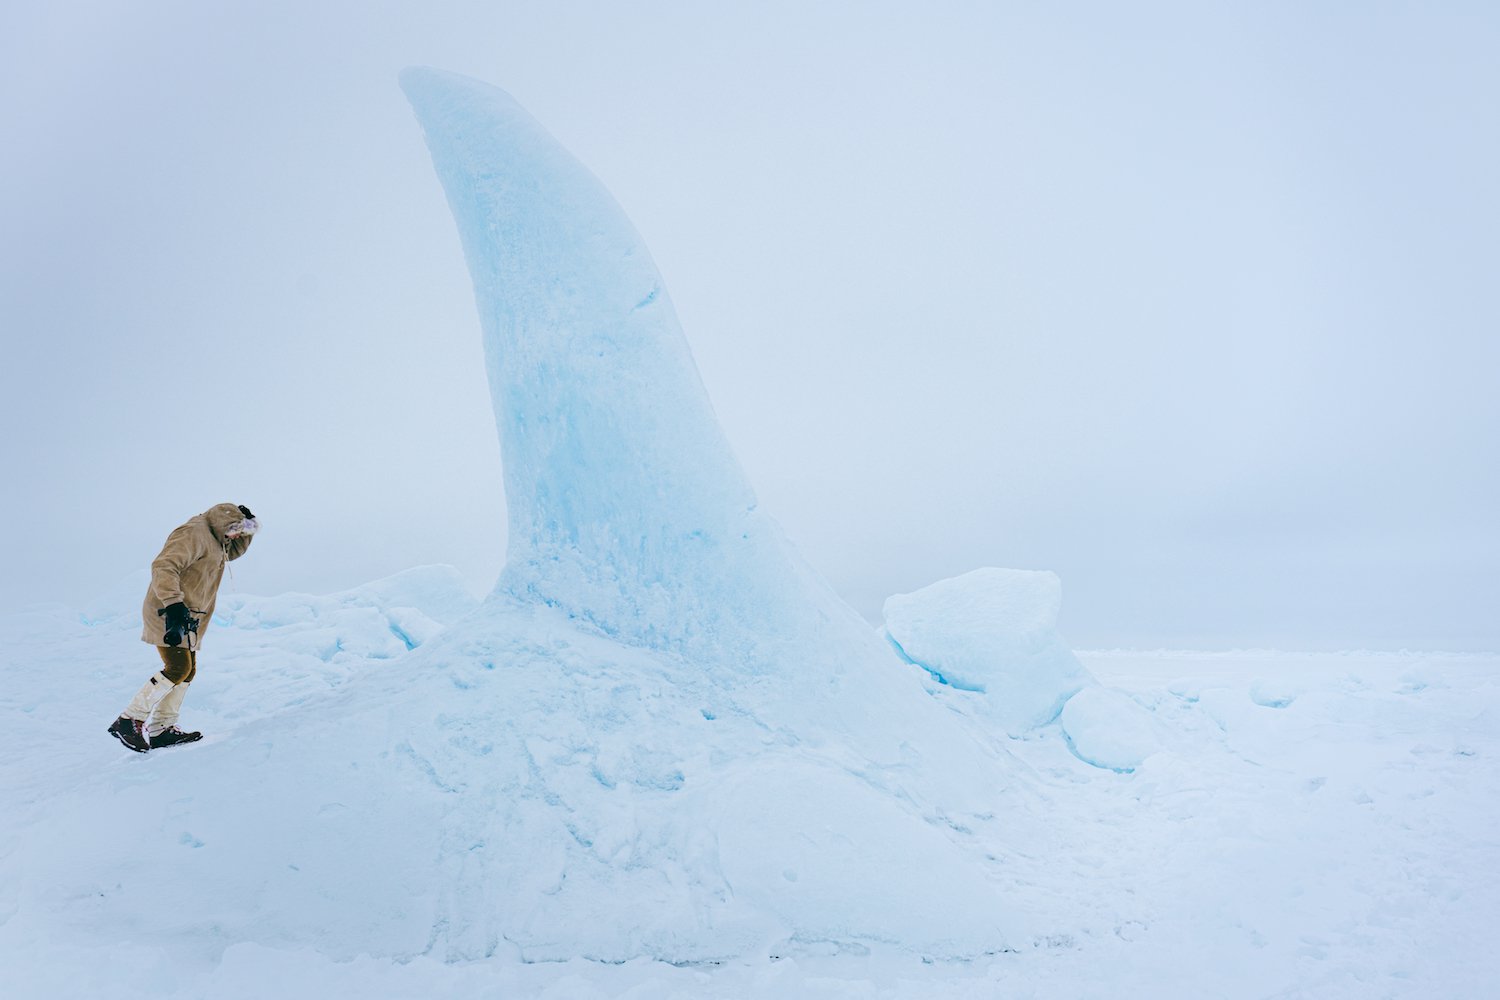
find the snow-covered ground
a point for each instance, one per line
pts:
(1307, 825)
(663, 758)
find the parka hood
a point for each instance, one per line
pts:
(221, 517)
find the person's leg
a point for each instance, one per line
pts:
(180, 666)
(177, 664)
(163, 729)
(130, 727)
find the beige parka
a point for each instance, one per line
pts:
(189, 569)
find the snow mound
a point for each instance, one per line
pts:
(1108, 729)
(1275, 693)
(609, 801)
(424, 597)
(518, 786)
(509, 796)
(994, 631)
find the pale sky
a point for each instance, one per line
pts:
(1193, 303)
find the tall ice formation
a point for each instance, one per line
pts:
(627, 507)
(663, 734)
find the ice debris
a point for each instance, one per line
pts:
(1107, 728)
(995, 631)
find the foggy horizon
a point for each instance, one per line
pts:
(1189, 306)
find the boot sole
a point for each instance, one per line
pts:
(175, 743)
(126, 745)
(140, 750)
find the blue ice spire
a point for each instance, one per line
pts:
(627, 507)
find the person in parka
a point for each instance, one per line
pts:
(179, 604)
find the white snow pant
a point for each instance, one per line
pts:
(165, 716)
(150, 697)
(159, 699)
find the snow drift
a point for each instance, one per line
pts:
(322, 832)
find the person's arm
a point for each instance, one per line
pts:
(237, 546)
(183, 548)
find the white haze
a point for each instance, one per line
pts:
(1192, 304)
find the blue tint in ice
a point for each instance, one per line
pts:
(1107, 729)
(993, 631)
(1274, 693)
(684, 711)
(626, 506)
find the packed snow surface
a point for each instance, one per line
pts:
(323, 836)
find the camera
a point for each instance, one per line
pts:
(178, 626)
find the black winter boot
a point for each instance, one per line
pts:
(130, 732)
(172, 736)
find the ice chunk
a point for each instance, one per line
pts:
(995, 631)
(1106, 728)
(1275, 693)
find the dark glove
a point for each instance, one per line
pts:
(178, 622)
